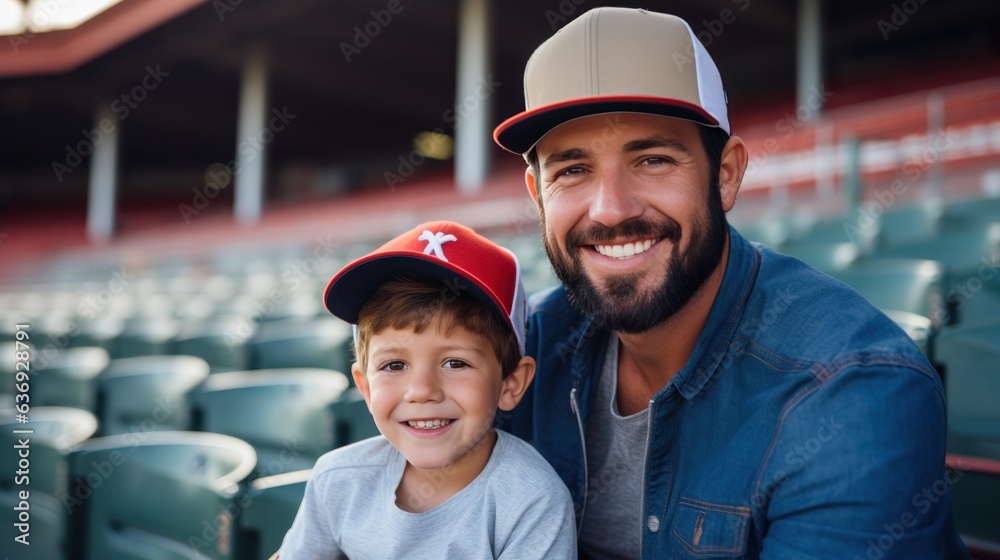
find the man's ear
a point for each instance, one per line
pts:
(361, 381)
(731, 170)
(517, 383)
(530, 181)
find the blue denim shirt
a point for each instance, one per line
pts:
(804, 425)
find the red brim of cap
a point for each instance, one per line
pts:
(353, 286)
(519, 133)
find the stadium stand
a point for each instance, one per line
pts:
(56, 430)
(148, 393)
(283, 413)
(157, 495)
(893, 187)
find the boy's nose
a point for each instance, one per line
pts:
(423, 386)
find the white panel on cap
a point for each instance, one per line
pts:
(519, 307)
(713, 96)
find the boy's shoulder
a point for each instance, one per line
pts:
(517, 460)
(372, 454)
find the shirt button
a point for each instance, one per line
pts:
(653, 523)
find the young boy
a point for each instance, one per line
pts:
(439, 315)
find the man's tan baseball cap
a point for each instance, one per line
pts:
(614, 60)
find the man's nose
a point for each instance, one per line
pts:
(614, 200)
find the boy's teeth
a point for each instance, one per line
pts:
(624, 251)
(428, 424)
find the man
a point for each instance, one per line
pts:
(703, 397)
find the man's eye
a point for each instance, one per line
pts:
(455, 364)
(655, 160)
(575, 170)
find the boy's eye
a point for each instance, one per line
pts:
(395, 365)
(455, 363)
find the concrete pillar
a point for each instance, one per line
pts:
(252, 121)
(101, 202)
(809, 57)
(473, 96)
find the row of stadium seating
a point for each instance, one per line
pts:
(242, 348)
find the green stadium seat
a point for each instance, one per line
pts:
(162, 495)
(352, 419)
(148, 393)
(69, 378)
(56, 429)
(283, 413)
(900, 226)
(102, 333)
(827, 256)
(221, 341)
(971, 214)
(270, 505)
(970, 355)
(919, 328)
(913, 285)
(147, 337)
(296, 343)
(7, 372)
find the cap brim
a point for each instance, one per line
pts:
(521, 132)
(349, 290)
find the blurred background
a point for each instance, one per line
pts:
(180, 178)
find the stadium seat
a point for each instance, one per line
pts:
(148, 393)
(295, 343)
(102, 332)
(900, 226)
(221, 341)
(976, 502)
(917, 327)
(69, 378)
(971, 214)
(352, 418)
(7, 373)
(970, 355)
(147, 337)
(270, 505)
(913, 285)
(827, 256)
(283, 413)
(56, 429)
(156, 495)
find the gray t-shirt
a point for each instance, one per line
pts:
(616, 452)
(516, 508)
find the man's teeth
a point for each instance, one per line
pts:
(624, 251)
(428, 424)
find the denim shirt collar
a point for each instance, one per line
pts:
(723, 320)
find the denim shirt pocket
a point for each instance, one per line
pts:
(706, 530)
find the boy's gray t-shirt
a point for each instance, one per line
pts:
(518, 507)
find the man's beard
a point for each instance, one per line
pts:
(620, 303)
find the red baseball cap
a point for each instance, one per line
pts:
(452, 253)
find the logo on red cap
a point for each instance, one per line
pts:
(435, 242)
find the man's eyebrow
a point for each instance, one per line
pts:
(565, 155)
(655, 142)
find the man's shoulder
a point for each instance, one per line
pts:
(804, 315)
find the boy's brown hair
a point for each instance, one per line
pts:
(417, 303)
